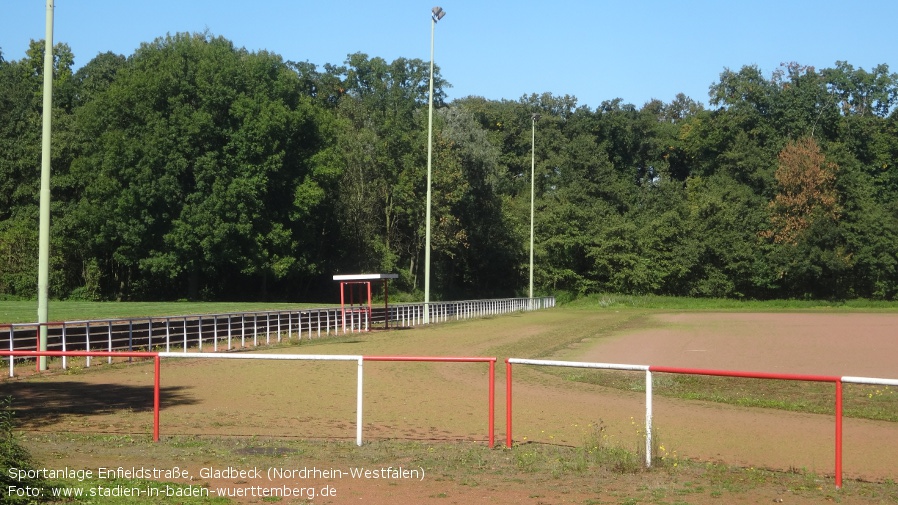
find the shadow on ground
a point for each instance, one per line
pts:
(38, 404)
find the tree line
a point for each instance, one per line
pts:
(195, 169)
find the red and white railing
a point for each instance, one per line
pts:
(838, 381)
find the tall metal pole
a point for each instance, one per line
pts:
(437, 13)
(43, 273)
(534, 117)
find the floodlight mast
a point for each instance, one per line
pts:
(436, 14)
(43, 254)
(534, 118)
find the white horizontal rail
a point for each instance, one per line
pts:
(602, 366)
(870, 380)
(648, 389)
(241, 355)
(578, 364)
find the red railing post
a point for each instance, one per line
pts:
(492, 415)
(156, 379)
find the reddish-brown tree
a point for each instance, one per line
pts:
(807, 191)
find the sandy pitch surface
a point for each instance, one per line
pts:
(863, 345)
(433, 401)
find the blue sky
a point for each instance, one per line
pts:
(635, 50)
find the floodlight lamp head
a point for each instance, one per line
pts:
(535, 116)
(437, 13)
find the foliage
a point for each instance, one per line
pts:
(14, 455)
(808, 192)
(195, 169)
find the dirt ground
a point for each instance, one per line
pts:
(823, 344)
(447, 402)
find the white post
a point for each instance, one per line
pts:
(64, 361)
(11, 358)
(87, 343)
(648, 419)
(358, 406)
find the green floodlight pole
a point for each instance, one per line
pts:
(534, 117)
(43, 271)
(436, 14)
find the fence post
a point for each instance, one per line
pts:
(87, 343)
(839, 434)
(507, 403)
(64, 358)
(492, 402)
(358, 407)
(648, 418)
(156, 361)
(12, 372)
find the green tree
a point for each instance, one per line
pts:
(20, 164)
(382, 135)
(476, 248)
(193, 155)
(726, 218)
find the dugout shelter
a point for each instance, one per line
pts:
(355, 297)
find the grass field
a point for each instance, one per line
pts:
(26, 311)
(597, 463)
(64, 310)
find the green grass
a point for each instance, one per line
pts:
(614, 301)
(859, 400)
(594, 468)
(26, 312)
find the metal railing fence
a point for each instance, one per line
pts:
(217, 332)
